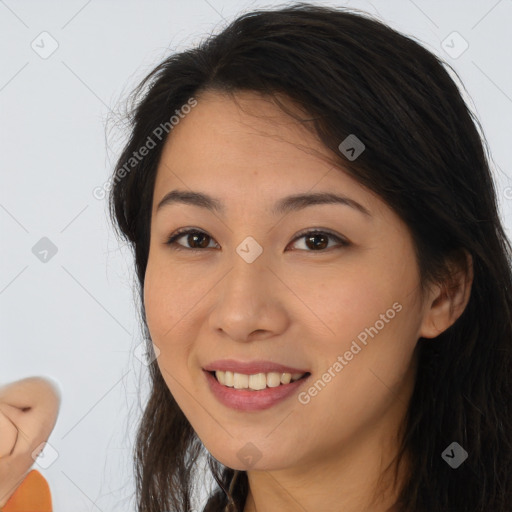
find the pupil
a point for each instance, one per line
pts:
(203, 241)
(195, 236)
(320, 245)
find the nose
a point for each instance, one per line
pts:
(249, 302)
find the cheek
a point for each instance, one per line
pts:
(357, 385)
(154, 305)
(169, 295)
(169, 300)
(346, 300)
(370, 319)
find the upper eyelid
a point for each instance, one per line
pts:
(187, 231)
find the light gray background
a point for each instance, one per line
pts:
(73, 318)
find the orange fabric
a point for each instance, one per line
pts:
(33, 495)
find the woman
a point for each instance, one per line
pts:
(323, 272)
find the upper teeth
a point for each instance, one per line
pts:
(257, 381)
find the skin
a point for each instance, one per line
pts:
(28, 412)
(294, 305)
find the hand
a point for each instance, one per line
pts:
(28, 413)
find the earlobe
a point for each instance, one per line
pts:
(447, 301)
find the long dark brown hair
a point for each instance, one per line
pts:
(427, 158)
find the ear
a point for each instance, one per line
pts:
(446, 301)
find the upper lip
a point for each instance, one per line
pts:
(250, 367)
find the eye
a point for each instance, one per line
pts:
(194, 236)
(318, 240)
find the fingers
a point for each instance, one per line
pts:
(8, 435)
(28, 413)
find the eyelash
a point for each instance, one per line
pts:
(171, 241)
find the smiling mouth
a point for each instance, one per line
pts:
(256, 382)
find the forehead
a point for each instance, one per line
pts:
(224, 129)
(249, 145)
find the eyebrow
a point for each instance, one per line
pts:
(285, 205)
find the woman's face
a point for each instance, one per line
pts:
(342, 304)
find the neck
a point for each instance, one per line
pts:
(327, 486)
(356, 476)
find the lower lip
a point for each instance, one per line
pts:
(243, 400)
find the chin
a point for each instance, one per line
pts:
(249, 457)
